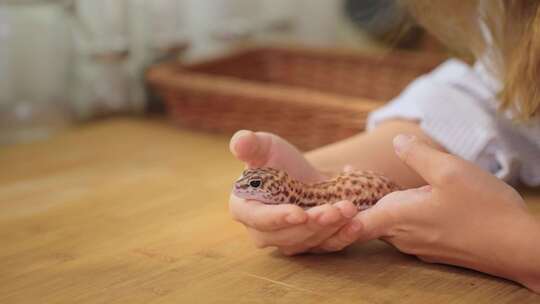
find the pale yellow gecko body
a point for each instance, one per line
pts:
(271, 186)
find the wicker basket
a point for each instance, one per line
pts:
(311, 97)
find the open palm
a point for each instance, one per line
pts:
(287, 227)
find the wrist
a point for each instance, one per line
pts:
(515, 252)
(511, 252)
(527, 263)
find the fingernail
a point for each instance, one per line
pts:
(427, 188)
(295, 218)
(236, 138)
(238, 134)
(401, 142)
(354, 228)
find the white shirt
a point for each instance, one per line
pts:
(456, 105)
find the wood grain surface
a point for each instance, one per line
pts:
(135, 211)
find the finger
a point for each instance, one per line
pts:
(303, 236)
(390, 212)
(312, 244)
(341, 238)
(251, 148)
(427, 161)
(265, 217)
(401, 210)
(367, 225)
(329, 219)
(347, 209)
(287, 237)
(293, 237)
(323, 215)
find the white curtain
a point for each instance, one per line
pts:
(142, 29)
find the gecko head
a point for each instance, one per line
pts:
(261, 184)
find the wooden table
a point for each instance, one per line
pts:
(135, 211)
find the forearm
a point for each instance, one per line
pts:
(372, 151)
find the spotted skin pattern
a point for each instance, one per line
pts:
(274, 187)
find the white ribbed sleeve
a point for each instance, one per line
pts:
(456, 106)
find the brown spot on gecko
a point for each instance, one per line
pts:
(307, 205)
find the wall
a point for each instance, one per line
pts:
(211, 26)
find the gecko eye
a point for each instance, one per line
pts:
(256, 183)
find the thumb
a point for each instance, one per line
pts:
(251, 148)
(379, 220)
(422, 158)
(368, 225)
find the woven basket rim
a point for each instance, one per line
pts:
(347, 53)
(166, 76)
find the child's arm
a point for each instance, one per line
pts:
(373, 151)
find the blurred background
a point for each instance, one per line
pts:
(69, 61)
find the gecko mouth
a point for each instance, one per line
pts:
(250, 195)
(238, 190)
(242, 191)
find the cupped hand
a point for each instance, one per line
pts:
(462, 217)
(287, 227)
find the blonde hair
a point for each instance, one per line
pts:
(504, 32)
